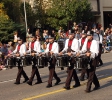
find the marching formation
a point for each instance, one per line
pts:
(83, 54)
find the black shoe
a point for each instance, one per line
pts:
(38, 82)
(87, 91)
(101, 64)
(48, 86)
(81, 79)
(96, 87)
(76, 85)
(97, 66)
(57, 82)
(17, 83)
(25, 80)
(67, 88)
(29, 83)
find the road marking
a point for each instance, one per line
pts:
(7, 81)
(13, 80)
(57, 91)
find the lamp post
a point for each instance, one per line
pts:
(25, 17)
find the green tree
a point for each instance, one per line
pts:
(7, 26)
(63, 11)
(12, 8)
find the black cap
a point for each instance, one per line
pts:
(84, 32)
(90, 33)
(71, 32)
(19, 39)
(50, 37)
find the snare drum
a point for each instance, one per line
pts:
(10, 62)
(81, 62)
(62, 61)
(28, 60)
(18, 61)
(23, 61)
(41, 61)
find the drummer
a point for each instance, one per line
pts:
(52, 48)
(81, 41)
(91, 49)
(20, 51)
(34, 50)
(71, 47)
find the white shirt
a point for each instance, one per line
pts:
(94, 48)
(99, 38)
(22, 50)
(55, 48)
(75, 46)
(37, 47)
(80, 40)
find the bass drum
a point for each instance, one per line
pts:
(62, 61)
(10, 62)
(28, 59)
(81, 62)
(42, 61)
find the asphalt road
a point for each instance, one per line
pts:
(10, 91)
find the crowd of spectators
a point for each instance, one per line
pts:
(7, 48)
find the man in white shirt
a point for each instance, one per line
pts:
(34, 50)
(20, 51)
(81, 42)
(99, 38)
(52, 49)
(91, 50)
(71, 48)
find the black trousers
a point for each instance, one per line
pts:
(71, 73)
(34, 70)
(99, 55)
(33, 73)
(52, 74)
(92, 76)
(21, 72)
(83, 72)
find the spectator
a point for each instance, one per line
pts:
(53, 34)
(45, 34)
(15, 37)
(4, 52)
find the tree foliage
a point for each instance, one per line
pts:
(7, 26)
(12, 8)
(63, 11)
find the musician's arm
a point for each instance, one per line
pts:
(15, 51)
(94, 49)
(75, 47)
(55, 48)
(23, 50)
(29, 51)
(66, 47)
(37, 48)
(47, 49)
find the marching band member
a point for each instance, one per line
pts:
(52, 48)
(91, 49)
(71, 47)
(81, 42)
(34, 49)
(98, 37)
(20, 51)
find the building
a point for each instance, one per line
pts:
(102, 10)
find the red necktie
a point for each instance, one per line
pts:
(50, 46)
(32, 45)
(89, 44)
(70, 42)
(83, 40)
(18, 47)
